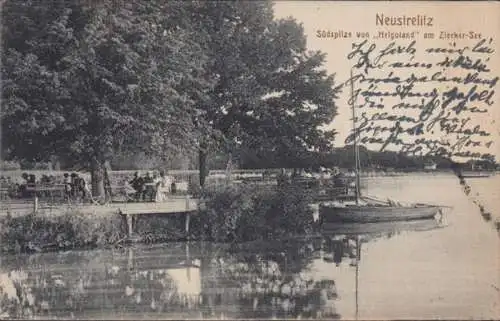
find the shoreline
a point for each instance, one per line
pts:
(77, 228)
(239, 172)
(83, 231)
(34, 233)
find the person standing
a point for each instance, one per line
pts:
(156, 181)
(67, 187)
(32, 179)
(108, 193)
(73, 182)
(163, 187)
(87, 189)
(80, 187)
(137, 184)
(23, 187)
(149, 189)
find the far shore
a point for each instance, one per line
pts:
(240, 172)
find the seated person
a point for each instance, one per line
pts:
(340, 180)
(52, 180)
(44, 180)
(173, 187)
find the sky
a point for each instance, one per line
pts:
(356, 16)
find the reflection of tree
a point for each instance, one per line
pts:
(258, 280)
(86, 282)
(273, 283)
(248, 282)
(41, 292)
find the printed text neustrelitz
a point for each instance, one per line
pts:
(418, 20)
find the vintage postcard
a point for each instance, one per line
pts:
(250, 160)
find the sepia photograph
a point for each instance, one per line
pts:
(165, 159)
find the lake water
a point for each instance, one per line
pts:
(427, 269)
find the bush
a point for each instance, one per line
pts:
(251, 212)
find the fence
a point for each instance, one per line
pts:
(187, 180)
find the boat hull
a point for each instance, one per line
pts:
(376, 228)
(375, 213)
(476, 176)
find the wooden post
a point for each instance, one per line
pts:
(130, 259)
(188, 218)
(188, 262)
(129, 224)
(35, 204)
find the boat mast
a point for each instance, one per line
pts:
(355, 132)
(358, 257)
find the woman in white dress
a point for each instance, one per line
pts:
(163, 187)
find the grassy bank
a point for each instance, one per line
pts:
(42, 233)
(37, 233)
(232, 214)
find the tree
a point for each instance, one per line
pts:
(270, 93)
(89, 81)
(86, 81)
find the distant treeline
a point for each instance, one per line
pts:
(247, 159)
(344, 158)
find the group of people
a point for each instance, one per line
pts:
(29, 185)
(75, 187)
(337, 177)
(5, 181)
(153, 187)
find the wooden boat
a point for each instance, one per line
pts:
(373, 210)
(477, 174)
(370, 213)
(381, 228)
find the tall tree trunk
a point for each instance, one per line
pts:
(202, 163)
(97, 176)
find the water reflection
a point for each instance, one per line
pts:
(288, 279)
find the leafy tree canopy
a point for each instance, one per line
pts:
(87, 81)
(90, 80)
(270, 91)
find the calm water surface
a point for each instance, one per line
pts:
(425, 269)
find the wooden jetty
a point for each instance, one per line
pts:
(185, 206)
(175, 205)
